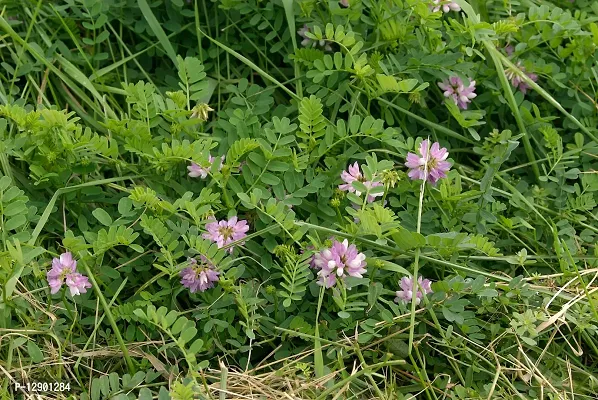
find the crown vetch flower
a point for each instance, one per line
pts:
(225, 232)
(352, 174)
(77, 283)
(301, 32)
(338, 261)
(199, 276)
(311, 247)
(64, 270)
(446, 6)
(430, 164)
(456, 90)
(344, 3)
(408, 286)
(199, 171)
(516, 79)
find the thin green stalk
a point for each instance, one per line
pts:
(428, 123)
(66, 307)
(111, 320)
(4, 163)
(198, 29)
(48, 210)
(99, 322)
(73, 37)
(422, 376)
(508, 64)
(22, 49)
(529, 151)
(415, 285)
(318, 357)
(66, 66)
(368, 375)
(288, 9)
(584, 286)
(252, 65)
(156, 28)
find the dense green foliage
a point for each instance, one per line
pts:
(104, 104)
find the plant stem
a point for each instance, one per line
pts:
(414, 283)
(110, 317)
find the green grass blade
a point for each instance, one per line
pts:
(99, 321)
(103, 71)
(157, 29)
(73, 37)
(428, 123)
(69, 68)
(529, 151)
(48, 210)
(548, 97)
(288, 10)
(252, 65)
(108, 313)
(318, 357)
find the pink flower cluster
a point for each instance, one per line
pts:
(446, 6)
(456, 90)
(199, 171)
(224, 232)
(312, 260)
(516, 79)
(408, 286)
(199, 276)
(340, 260)
(430, 165)
(64, 269)
(353, 174)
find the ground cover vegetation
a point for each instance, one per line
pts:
(278, 199)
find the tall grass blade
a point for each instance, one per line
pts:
(157, 29)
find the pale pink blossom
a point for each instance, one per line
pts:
(199, 171)
(353, 174)
(339, 261)
(312, 260)
(64, 270)
(445, 5)
(77, 283)
(408, 286)
(456, 90)
(430, 164)
(225, 232)
(517, 80)
(199, 276)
